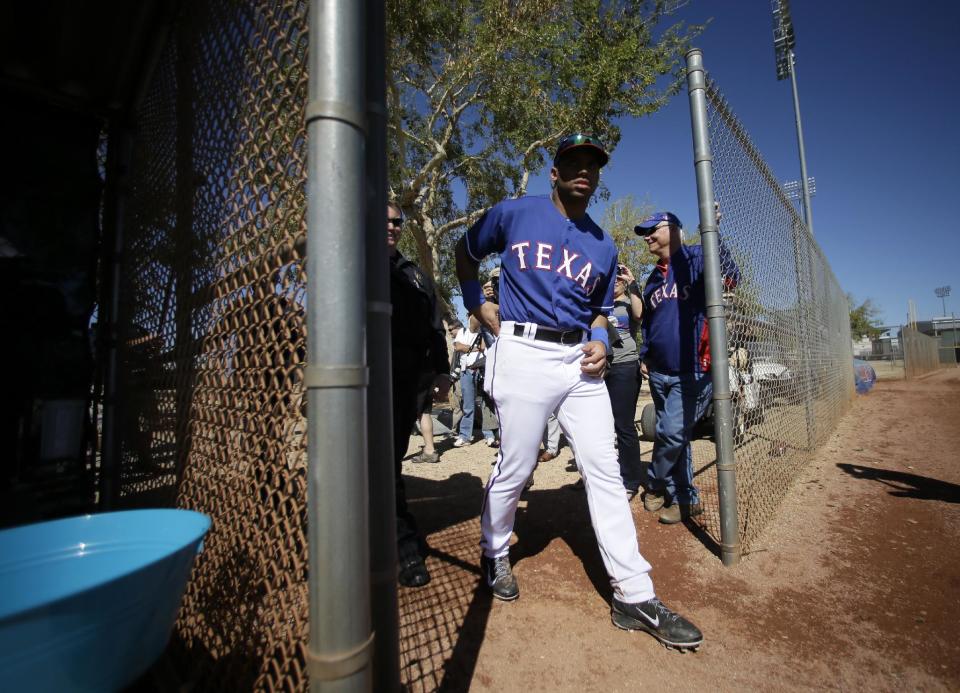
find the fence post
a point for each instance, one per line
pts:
(716, 320)
(338, 655)
(805, 298)
(108, 331)
(383, 515)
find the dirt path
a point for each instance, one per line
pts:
(855, 585)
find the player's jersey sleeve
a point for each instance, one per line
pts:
(487, 235)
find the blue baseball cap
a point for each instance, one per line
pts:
(647, 225)
(581, 139)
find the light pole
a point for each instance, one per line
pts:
(783, 44)
(942, 292)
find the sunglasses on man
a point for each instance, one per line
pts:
(652, 230)
(395, 221)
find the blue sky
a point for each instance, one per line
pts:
(878, 99)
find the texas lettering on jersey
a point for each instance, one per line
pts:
(540, 256)
(668, 291)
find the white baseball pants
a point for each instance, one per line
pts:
(528, 380)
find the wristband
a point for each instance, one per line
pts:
(634, 288)
(599, 334)
(472, 294)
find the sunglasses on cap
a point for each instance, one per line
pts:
(395, 221)
(580, 139)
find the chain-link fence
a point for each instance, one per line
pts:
(211, 344)
(921, 353)
(211, 331)
(790, 354)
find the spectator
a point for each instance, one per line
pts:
(675, 356)
(420, 371)
(470, 347)
(429, 452)
(551, 440)
(623, 377)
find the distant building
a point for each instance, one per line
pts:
(947, 331)
(887, 345)
(862, 348)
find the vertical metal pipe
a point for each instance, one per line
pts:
(118, 164)
(807, 211)
(341, 641)
(716, 319)
(185, 257)
(805, 299)
(383, 520)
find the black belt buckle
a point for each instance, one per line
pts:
(548, 334)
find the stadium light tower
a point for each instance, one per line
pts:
(792, 188)
(942, 292)
(783, 45)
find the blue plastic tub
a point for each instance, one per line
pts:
(88, 603)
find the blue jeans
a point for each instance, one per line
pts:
(468, 387)
(680, 401)
(623, 387)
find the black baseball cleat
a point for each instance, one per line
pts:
(655, 618)
(499, 577)
(411, 568)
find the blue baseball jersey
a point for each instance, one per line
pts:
(676, 337)
(555, 272)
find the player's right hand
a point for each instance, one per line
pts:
(594, 361)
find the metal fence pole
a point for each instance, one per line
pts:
(383, 516)
(805, 298)
(710, 239)
(341, 641)
(118, 164)
(807, 210)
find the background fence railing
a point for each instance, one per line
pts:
(921, 353)
(790, 354)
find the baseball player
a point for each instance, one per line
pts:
(550, 355)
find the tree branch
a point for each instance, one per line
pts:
(465, 220)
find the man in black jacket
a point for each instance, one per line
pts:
(420, 375)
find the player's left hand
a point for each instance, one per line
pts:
(594, 361)
(441, 387)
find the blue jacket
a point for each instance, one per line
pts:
(674, 325)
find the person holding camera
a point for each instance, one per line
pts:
(623, 376)
(469, 344)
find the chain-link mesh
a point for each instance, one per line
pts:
(790, 355)
(921, 353)
(212, 331)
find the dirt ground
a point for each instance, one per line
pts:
(855, 585)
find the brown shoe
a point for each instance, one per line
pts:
(427, 457)
(546, 456)
(653, 501)
(678, 512)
